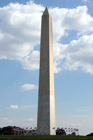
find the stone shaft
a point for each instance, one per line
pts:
(46, 99)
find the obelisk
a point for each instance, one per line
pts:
(46, 98)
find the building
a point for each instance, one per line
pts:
(11, 130)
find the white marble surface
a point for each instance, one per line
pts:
(46, 100)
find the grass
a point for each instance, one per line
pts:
(43, 137)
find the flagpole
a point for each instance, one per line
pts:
(78, 132)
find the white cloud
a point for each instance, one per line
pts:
(27, 87)
(76, 19)
(30, 120)
(84, 1)
(22, 107)
(5, 121)
(4, 118)
(31, 62)
(13, 107)
(79, 54)
(90, 2)
(20, 27)
(19, 32)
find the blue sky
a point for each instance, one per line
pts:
(20, 25)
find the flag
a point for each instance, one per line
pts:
(68, 129)
(71, 129)
(74, 129)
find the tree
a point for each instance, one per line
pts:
(73, 134)
(60, 132)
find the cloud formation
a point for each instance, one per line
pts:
(31, 62)
(5, 121)
(65, 20)
(84, 1)
(77, 54)
(27, 87)
(13, 107)
(20, 27)
(30, 120)
(19, 33)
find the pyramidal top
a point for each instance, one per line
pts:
(46, 12)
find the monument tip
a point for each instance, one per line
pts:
(46, 12)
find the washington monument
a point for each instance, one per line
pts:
(46, 99)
